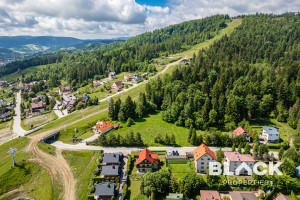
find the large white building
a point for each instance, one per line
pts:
(232, 160)
(270, 134)
(202, 157)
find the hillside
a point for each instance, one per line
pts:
(136, 53)
(20, 47)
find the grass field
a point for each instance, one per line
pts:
(38, 120)
(27, 178)
(180, 170)
(231, 25)
(47, 148)
(82, 164)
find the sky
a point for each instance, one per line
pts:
(104, 19)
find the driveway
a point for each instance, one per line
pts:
(58, 112)
(17, 118)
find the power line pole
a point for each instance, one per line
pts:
(12, 151)
(108, 103)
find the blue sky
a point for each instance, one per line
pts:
(161, 3)
(103, 19)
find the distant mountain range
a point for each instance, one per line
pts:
(23, 45)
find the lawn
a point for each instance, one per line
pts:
(82, 164)
(286, 132)
(38, 120)
(180, 170)
(5, 128)
(149, 132)
(47, 148)
(26, 178)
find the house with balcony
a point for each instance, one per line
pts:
(270, 135)
(240, 131)
(147, 161)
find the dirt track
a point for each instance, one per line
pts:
(55, 164)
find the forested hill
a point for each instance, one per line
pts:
(250, 74)
(131, 55)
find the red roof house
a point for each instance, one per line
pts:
(146, 161)
(202, 157)
(103, 127)
(241, 131)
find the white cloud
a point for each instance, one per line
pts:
(113, 18)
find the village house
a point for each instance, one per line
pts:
(112, 75)
(97, 83)
(37, 107)
(3, 84)
(242, 195)
(5, 115)
(146, 161)
(112, 158)
(283, 197)
(13, 89)
(136, 77)
(3, 103)
(270, 135)
(209, 195)
(127, 77)
(110, 171)
(65, 90)
(202, 157)
(85, 99)
(69, 101)
(103, 127)
(104, 191)
(241, 131)
(117, 86)
(232, 160)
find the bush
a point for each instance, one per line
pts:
(125, 189)
(129, 122)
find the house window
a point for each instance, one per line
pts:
(208, 158)
(202, 158)
(202, 163)
(202, 167)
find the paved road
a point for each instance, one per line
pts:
(128, 150)
(17, 118)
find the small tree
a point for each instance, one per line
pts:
(280, 153)
(233, 148)
(247, 149)
(220, 155)
(129, 122)
(240, 148)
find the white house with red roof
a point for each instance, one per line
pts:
(232, 160)
(241, 131)
(202, 157)
(118, 85)
(103, 127)
(146, 161)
